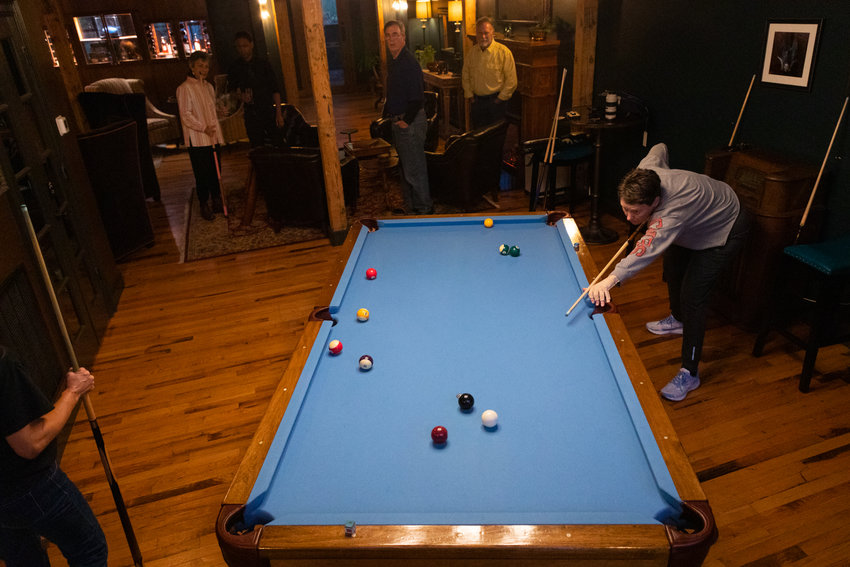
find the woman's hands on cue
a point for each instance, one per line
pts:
(599, 293)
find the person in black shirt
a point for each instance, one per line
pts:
(405, 106)
(256, 85)
(36, 498)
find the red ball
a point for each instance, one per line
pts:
(371, 274)
(439, 434)
(335, 347)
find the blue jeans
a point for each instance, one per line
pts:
(53, 508)
(410, 144)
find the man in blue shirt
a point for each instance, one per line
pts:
(405, 106)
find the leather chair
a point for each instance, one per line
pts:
(103, 109)
(297, 132)
(112, 161)
(292, 183)
(382, 128)
(469, 167)
(162, 127)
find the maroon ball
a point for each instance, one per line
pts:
(439, 434)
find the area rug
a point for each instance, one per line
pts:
(222, 236)
(225, 235)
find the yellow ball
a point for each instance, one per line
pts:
(488, 223)
(362, 314)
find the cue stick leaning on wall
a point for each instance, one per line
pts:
(95, 428)
(605, 269)
(740, 114)
(820, 173)
(550, 145)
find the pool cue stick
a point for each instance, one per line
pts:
(820, 173)
(740, 114)
(605, 269)
(220, 185)
(95, 428)
(550, 146)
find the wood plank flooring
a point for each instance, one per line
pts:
(194, 351)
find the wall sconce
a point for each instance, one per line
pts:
(399, 5)
(456, 13)
(264, 11)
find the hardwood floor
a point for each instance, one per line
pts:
(194, 351)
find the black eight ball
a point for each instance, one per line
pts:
(465, 401)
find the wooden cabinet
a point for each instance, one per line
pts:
(35, 170)
(537, 84)
(775, 190)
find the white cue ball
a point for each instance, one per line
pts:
(489, 418)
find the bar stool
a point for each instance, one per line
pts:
(826, 265)
(570, 151)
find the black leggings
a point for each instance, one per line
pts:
(204, 167)
(691, 276)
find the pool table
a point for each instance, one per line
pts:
(582, 467)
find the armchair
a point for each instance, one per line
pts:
(296, 130)
(382, 128)
(469, 167)
(162, 127)
(102, 109)
(292, 183)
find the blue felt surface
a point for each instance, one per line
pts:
(449, 314)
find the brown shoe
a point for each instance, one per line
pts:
(206, 212)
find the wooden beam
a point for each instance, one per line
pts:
(585, 52)
(53, 19)
(287, 54)
(382, 44)
(317, 58)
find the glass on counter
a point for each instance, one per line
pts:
(161, 43)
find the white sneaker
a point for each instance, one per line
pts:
(677, 389)
(667, 326)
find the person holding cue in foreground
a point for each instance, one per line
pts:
(699, 226)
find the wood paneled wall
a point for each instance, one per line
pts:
(161, 77)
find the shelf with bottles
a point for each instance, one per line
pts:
(107, 38)
(161, 42)
(195, 37)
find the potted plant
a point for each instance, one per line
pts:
(425, 56)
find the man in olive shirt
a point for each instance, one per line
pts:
(489, 76)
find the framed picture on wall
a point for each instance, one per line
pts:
(790, 49)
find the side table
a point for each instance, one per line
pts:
(594, 232)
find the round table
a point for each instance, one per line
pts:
(586, 119)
